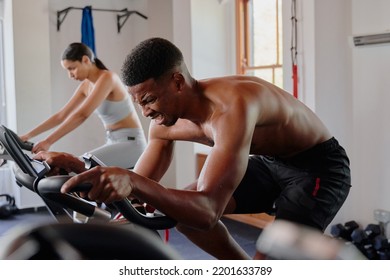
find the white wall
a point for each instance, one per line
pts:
(211, 34)
(371, 135)
(9, 77)
(27, 72)
(27, 61)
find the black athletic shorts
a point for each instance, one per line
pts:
(308, 188)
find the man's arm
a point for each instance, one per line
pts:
(222, 172)
(201, 208)
(157, 157)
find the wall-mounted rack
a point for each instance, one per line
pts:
(122, 15)
(371, 39)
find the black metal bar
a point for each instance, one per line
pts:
(124, 13)
(59, 19)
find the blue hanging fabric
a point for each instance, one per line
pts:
(87, 30)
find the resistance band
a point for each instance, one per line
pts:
(87, 29)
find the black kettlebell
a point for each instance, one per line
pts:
(7, 208)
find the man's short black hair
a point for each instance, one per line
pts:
(150, 59)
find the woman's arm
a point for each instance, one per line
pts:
(102, 88)
(58, 117)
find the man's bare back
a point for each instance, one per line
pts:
(283, 125)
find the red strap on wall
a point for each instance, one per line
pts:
(294, 49)
(295, 80)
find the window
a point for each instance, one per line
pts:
(259, 39)
(2, 83)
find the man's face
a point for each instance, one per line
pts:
(157, 99)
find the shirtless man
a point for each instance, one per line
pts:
(268, 151)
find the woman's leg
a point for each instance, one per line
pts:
(123, 148)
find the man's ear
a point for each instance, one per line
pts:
(179, 80)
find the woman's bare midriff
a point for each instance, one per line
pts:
(128, 122)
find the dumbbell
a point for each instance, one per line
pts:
(381, 242)
(344, 231)
(368, 234)
(364, 240)
(382, 247)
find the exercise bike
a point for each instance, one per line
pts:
(7, 202)
(31, 174)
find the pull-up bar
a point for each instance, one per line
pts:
(121, 17)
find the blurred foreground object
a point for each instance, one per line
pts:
(289, 241)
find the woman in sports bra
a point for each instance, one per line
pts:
(101, 91)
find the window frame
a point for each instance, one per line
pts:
(243, 48)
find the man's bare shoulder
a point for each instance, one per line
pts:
(233, 94)
(238, 85)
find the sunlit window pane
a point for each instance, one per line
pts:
(274, 76)
(263, 26)
(260, 46)
(279, 77)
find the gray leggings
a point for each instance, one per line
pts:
(123, 147)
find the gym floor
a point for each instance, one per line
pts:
(244, 234)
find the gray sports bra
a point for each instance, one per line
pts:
(111, 112)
